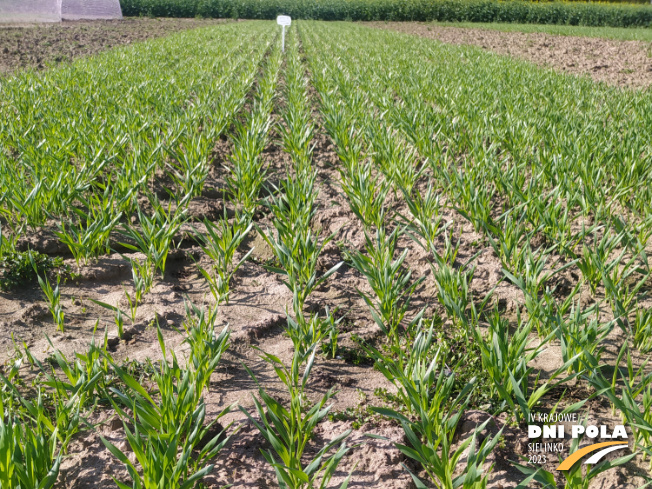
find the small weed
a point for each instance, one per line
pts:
(16, 268)
(359, 415)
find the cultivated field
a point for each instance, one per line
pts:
(625, 64)
(40, 46)
(366, 260)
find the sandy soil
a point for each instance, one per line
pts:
(622, 63)
(255, 316)
(42, 45)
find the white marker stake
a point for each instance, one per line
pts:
(283, 20)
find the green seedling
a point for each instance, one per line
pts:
(117, 316)
(288, 430)
(298, 263)
(578, 334)
(473, 199)
(454, 293)
(293, 205)
(426, 389)
(395, 159)
(169, 460)
(391, 283)
(220, 243)
(643, 330)
(511, 243)
(88, 236)
(365, 194)
(52, 296)
(426, 221)
(59, 417)
(307, 331)
(189, 166)
(206, 345)
(155, 235)
(506, 353)
(29, 456)
(86, 378)
(143, 281)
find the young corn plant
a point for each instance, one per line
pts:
(533, 283)
(119, 323)
(635, 400)
(118, 315)
(169, 461)
(9, 241)
(298, 130)
(454, 292)
(395, 159)
(623, 290)
(511, 243)
(57, 414)
(448, 255)
(505, 353)
(305, 331)
(293, 205)
(89, 236)
(143, 281)
(246, 173)
(506, 357)
(84, 380)
(556, 224)
(189, 166)
(167, 431)
(473, 198)
(297, 134)
(180, 403)
(593, 260)
(578, 334)
(206, 345)
(340, 126)
(332, 327)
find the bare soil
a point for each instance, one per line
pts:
(621, 63)
(39, 46)
(256, 315)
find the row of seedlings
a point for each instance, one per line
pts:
(296, 247)
(410, 362)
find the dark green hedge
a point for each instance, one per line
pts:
(570, 13)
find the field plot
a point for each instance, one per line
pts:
(617, 33)
(626, 63)
(41, 45)
(368, 259)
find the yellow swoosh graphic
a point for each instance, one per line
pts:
(578, 454)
